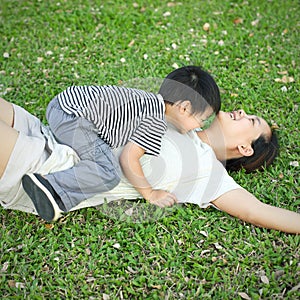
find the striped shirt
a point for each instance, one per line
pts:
(120, 114)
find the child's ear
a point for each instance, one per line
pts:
(186, 106)
(246, 150)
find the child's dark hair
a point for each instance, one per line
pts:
(193, 84)
(265, 151)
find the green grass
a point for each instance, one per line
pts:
(188, 253)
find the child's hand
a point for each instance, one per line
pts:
(162, 198)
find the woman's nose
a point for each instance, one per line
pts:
(241, 113)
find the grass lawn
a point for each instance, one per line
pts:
(252, 50)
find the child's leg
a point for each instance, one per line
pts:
(6, 112)
(98, 169)
(8, 138)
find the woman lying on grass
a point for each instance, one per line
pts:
(189, 165)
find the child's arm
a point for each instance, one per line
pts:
(132, 169)
(243, 205)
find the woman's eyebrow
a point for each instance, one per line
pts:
(258, 120)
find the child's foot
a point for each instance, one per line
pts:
(46, 201)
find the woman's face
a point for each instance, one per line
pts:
(240, 128)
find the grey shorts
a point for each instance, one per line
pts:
(98, 170)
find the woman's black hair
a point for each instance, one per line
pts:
(265, 151)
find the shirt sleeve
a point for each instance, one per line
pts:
(148, 135)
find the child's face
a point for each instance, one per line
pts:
(188, 121)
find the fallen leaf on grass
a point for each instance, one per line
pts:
(131, 43)
(105, 297)
(49, 226)
(204, 233)
(275, 126)
(285, 79)
(294, 163)
(5, 267)
(206, 27)
(255, 22)
(234, 95)
(13, 284)
(129, 211)
(278, 274)
(158, 287)
(238, 21)
(244, 296)
(264, 279)
(282, 72)
(204, 252)
(296, 288)
(217, 246)
(131, 270)
(117, 245)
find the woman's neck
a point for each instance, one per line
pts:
(214, 137)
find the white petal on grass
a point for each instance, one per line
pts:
(122, 60)
(175, 66)
(6, 55)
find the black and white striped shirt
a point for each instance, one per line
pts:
(120, 114)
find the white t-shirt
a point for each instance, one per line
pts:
(186, 166)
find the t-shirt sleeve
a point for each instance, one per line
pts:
(148, 135)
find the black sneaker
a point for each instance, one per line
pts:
(46, 201)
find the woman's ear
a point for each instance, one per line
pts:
(246, 150)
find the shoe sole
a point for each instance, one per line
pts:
(42, 199)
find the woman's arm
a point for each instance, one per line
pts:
(243, 205)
